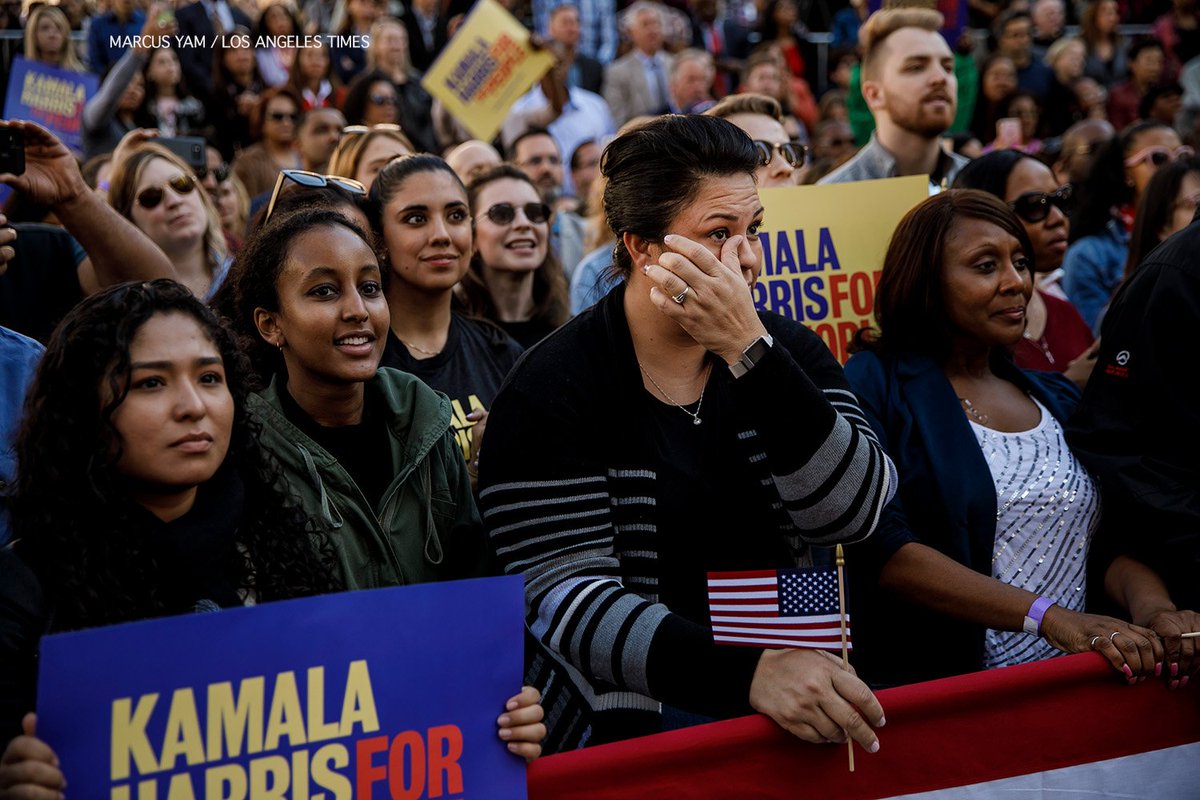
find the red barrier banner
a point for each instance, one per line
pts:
(1067, 724)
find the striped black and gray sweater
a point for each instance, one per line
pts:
(570, 494)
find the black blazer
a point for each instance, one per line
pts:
(197, 62)
(421, 55)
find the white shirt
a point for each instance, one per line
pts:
(1047, 508)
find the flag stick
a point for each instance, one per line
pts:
(841, 563)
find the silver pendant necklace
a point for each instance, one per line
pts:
(694, 415)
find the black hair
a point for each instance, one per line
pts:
(253, 279)
(392, 177)
(77, 526)
(658, 168)
(910, 309)
(1154, 93)
(989, 172)
(1143, 43)
(575, 153)
(1105, 187)
(1155, 209)
(354, 107)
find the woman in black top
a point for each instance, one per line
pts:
(669, 431)
(420, 214)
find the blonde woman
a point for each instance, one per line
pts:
(389, 54)
(160, 194)
(48, 39)
(363, 151)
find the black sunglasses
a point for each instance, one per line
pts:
(312, 180)
(219, 172)
(282, 116)
(383, 99)
(180, 184)
(1035, 206)
(505, 213)
(793, 153)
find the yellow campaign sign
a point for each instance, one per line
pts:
(485, 68)
(823, 249)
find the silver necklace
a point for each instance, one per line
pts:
(694, 415)
(969, 407)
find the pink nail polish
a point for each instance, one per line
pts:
(1174, 685)
(1175, 670)
(1158, 670)
(1183, 681)
(1128, 672)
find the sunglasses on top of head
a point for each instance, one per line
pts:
(1159, 155)
(793, 153)
(150, 198)
(1035, 206)
(505, 213)
(311, 180)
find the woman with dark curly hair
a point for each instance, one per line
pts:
(149, 495)
(369, 451)
(514, 280)
(143, 490)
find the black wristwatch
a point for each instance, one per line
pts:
(753, 354)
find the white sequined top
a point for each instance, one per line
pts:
(1047, 508)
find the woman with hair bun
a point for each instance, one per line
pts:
(669, 431)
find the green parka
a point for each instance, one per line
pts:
(426, 528)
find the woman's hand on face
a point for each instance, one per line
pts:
(715, 305)
(1134, 651)
(1182, 655)
(521, 724)
(813, 696)
(29, 769)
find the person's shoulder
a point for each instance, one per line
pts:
(865, 368)
(569, 351)
(792, 334)
(855, 169)
(484, 334)
(18, 348)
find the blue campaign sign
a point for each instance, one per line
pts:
(390, 693)
(53, 98)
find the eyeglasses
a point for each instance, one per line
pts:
(180, 184)
(283, 116)
(505, 213)
(537, 161)
(312, 180)
(793, 153)
(382, 99)
(1159, 155)
(1035, 206)
(220, 172)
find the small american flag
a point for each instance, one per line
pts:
(777, 608)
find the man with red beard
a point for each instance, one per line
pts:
(909, 84)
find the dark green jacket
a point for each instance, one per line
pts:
(426, 528)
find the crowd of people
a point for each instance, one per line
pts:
(350, 347)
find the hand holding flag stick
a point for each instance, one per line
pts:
(841, 563)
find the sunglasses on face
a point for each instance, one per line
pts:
(1158, 155)
(151, 197)
(505, 213)
(1035, 206)
(282, 116)
(793, 153)
(220, 172)
(312, 180)
(382, 99)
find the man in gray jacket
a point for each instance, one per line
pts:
(909, 84)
